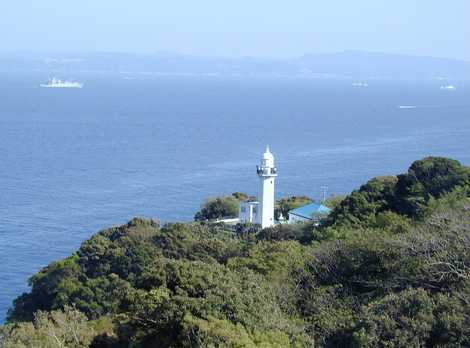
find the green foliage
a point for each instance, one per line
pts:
(334, 201)
(299, 232)
(67, 328)
(429, 178)
(219, 207)
(361, 206)
(389, 268)
(198, 241)
(243, 197)
(414, 318)
(156, 277)
(202, 290)
(407, 194)
(274, 260)
(347, 278)
(393, 222)
(46, 293)
(247, 229)
(214, 332)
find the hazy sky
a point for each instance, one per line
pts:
(272, 28)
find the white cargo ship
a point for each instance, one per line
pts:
(56, 83)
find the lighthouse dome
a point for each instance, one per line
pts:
(268, 155)
(268, 158)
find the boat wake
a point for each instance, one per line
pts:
(421, 106)
(360, 84)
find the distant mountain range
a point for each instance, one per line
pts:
(381, 65)
(348, 64)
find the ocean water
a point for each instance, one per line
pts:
(74, 161)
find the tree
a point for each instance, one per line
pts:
(299, 232)
(61, 328)
(414, 318)
(374, 276)
(407, 194)
(362, 206)
(213, 332)
(431, 177)
(243, 197)
(217, 208)
(334, 201)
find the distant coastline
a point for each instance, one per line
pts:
(348, 64)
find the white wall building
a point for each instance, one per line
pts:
(312, 212)
(249, 212)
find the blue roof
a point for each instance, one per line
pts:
(311, 210)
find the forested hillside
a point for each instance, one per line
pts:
(390, 267)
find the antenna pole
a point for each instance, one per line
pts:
(324, 189)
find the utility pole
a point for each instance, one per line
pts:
(324, 190)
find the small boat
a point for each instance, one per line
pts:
(360, 84)
(57, 83)
(448, 88)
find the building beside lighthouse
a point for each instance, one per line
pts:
(312, 212)
(262, 211)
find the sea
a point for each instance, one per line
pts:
(75, 161)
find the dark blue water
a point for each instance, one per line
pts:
(75, 161)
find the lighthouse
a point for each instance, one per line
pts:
(267, 173)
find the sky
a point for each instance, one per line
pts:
(258, 28)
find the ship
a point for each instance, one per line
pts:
(57, 83)
(449, 88)
(360, 84)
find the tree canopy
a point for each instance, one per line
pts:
(220, 207)
(390, 267)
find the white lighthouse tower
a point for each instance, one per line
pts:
(267, 173)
